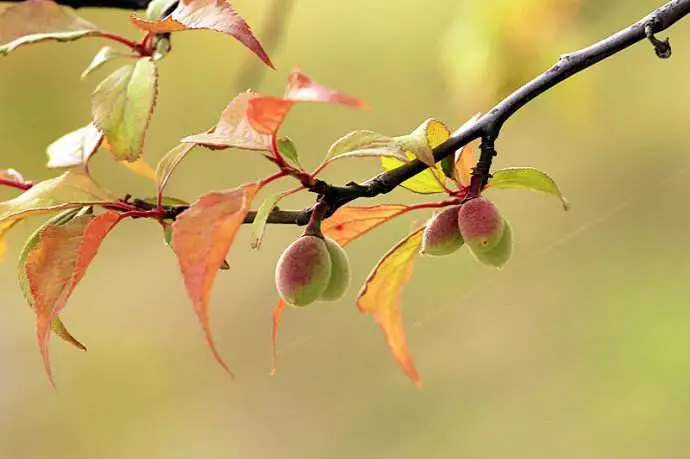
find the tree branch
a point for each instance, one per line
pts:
(117, 4)
(487, 127)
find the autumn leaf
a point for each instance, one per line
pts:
(58, 263)
(380, 297)
(57, 326)
(464, 163)
(168, 163)
(215, 15)
(70, 190)
(140, 167)
(105, 55)
(277, 314)
(266, 113)
(424, 139)
(74, 148)
(34, 21)
(350, 222)
(202, 236)
(233, 129)
(419, 145)
(121, 107)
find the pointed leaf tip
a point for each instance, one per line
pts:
(57, 264)
(215, 15)
(527, 178)
(380, 297)
(201, 238)
(277, 314)
(266, 113)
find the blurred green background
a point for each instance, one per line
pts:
(579, 348)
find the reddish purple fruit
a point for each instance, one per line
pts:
(480, 224)
(441, 233)
(303, 271)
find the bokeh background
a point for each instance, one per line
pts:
(579, 348)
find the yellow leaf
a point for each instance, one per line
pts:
(419, 145)
(141, 167)
(380, 297)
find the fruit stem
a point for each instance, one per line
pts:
(314, 225)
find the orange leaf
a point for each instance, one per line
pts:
(266, 113)
(349, 223)
(302, 88)
(380, 297)
(202, 236)
(233, 129)
(464, 163)
(58, 263)
(215, 15)
(277, 314)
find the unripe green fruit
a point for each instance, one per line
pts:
(499, 255)
(340, 272)
(303, 271)
(441, 233)
(480, 224)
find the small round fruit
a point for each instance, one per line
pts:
(303, 271)
(499, 255)
(480, 224)
(340, 272)
(441, 233)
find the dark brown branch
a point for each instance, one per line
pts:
(489, 125)
(486, 127)
(117, 4)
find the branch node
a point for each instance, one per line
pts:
(481, 173)
(662, 48)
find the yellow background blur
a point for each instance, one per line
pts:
(579, 348)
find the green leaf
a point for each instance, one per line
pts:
(364, 143)
(105, 55)
(35, 21)
(287, 148)
(259, 224)
(74, 148)
(122, 104)
(166, 201)
(447, 166)
(156, 9)
(527, 178)
(60, 219)
(60, 37)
